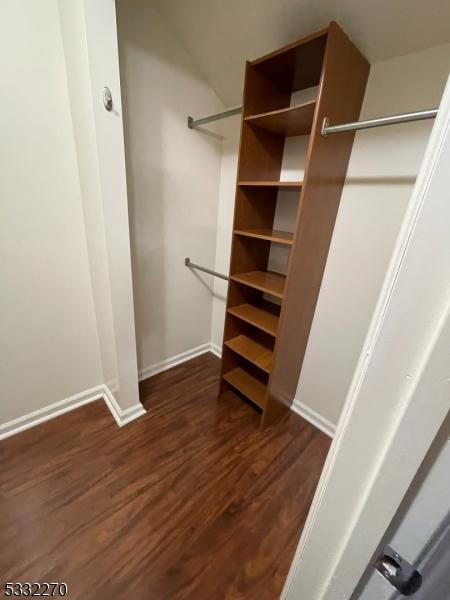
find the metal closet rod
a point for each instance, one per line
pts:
(327, 128)
(191, 265)
(193, 123)
(419, 115)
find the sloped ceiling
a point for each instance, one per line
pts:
(221, 34)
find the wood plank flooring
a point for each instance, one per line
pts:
(191, 501)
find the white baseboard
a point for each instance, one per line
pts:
(122, 417)
(175, 360)
(314, 418)
(49, 412)
(215, 349)
(308, 414)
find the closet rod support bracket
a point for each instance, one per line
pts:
(325, 125)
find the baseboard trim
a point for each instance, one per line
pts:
(314, 418)
(50, 412)
(121, 417)
(215, 349)
(298, 407)
(175, 360)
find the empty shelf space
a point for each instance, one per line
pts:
(294, 120)
(260, 317)
(252, 351)
(272, 235)
(266, 281)
(282, 185)
(248, 385)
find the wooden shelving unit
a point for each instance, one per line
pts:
(269, 314)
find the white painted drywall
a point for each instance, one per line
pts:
(73, 30)
(220, 34)
(228, 171)
(382, 171)
(49, 347)
(102, 54)
(173, 184)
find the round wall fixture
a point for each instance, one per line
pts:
(107, 99)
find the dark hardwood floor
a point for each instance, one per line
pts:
(190, 501)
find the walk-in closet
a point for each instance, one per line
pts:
(224, 265)
(232, 174)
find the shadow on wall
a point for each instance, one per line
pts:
(173, 184)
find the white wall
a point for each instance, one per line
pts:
(103, 58)
(221, 35)
(173, 185)
(228, 173)
(49, 345)
(72, 20)
(382, 171)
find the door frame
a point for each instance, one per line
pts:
(398, 398)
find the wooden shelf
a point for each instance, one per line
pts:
(294, 120)
(266, 281)
(272, 235)
(252, 351)
(282, 185)
(248, 385)
(256, 316)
